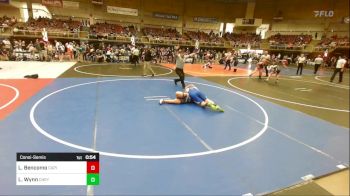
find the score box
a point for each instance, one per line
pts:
(57, 169)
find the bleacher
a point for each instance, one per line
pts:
(289, 42)
(332, 42)
(243, 40)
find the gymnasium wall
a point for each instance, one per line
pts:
(300, 9)
(298, 15)
(9, 11)
(186, 10)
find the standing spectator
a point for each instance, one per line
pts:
(69, 48)
(147, 62)
(39, 49)
(301, 61)
(266, 58)
(235, 61)
(333, 61)
(318, 62)
(340, 67)
(50, 51)
(135, 55)
(228, 58)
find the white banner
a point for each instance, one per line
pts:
(53, 3)
(122, 11)
(98, 2)
(205, 20)
(71, 4)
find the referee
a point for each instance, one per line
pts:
(180, 62)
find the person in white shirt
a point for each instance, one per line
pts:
(318, 62)
(228, 58)
(135, 55)
(340, 67)
(266, 58)
(44, 34)
(210, 58)
(301, 61)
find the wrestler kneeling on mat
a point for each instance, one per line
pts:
(192, 94)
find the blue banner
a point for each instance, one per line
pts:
(205, 20)
(165, 16)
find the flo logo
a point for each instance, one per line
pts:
(323, 13)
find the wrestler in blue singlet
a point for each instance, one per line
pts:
(195, 95)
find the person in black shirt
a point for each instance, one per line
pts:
(147, 62)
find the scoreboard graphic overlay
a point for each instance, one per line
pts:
(57, 169)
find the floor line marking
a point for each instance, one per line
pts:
(284, 134)
(189, 128)
(312, 82)
(283, 100)
(136, 156)
(13, 99)
(90, 188)
(330, 83)
(76, 69)
(299, 88)
(155, 97)
(305, 90)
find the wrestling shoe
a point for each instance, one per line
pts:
(215, 107)
(218, 108)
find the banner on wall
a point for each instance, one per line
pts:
(165, 16)
(98, 2)
(71, 4)
(122, 11)
(324, 13)
(52, 3)
(5, 1)
(205, 20)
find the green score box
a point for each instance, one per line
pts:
(92, 179)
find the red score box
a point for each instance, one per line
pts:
(93, 167)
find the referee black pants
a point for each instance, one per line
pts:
(316, 68)
(335, 73)
(300, 67)
(228, 63)
(181, 74)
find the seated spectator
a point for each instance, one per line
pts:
(332, 42)
(160, 34)
(201, 36)
(106, 30)
(290, 41)
(243, 40)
